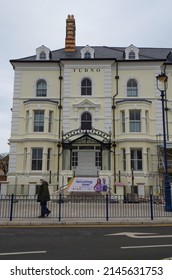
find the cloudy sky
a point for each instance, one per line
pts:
(26, 25)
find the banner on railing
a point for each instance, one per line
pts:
(88, 184)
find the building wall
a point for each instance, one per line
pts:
(101, 95)
(102, 74)
(23, 139)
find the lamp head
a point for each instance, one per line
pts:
(161, 80)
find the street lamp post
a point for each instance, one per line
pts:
(162, 86)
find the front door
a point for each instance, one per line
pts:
(86, 164)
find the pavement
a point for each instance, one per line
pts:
(162, 221)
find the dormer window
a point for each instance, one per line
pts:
(131, 52)
(131, 55)
(42, 53)
(87, 52)
(87, 55)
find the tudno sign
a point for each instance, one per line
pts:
(86, 70)
(89, 184)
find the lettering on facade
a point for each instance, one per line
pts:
(85, 70)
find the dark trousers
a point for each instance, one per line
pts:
(44, 209)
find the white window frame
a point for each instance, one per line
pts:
(39, 122)
(37, 161)
(41, 91)
(135, 122)
(132, 91)
(87, 87)
(136, 161)
(123, 121)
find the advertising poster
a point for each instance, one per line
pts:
(88, 184)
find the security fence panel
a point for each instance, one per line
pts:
(5, 203)
(81, 207)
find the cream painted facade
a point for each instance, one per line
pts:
(114, 96)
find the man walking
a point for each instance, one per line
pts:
(43, 197)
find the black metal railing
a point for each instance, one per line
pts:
(83, 207)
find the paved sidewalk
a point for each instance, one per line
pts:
(76, 222)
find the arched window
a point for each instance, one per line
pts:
(86, 87)
(131, 55)
(132, 88)
(42, 55)
(41, 88)
(86, 121)
(87, 55)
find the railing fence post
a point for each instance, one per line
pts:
(11, 207)
(107, 208)
(60, 202)
(151, 206)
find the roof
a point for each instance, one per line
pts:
(169, 58)
(104, 52)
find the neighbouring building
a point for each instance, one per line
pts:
(89, 112)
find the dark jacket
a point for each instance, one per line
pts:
(43, 194)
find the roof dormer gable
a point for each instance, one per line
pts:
(42, 53)
(131, 52)
(87, 52)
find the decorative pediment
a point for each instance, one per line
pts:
(86, 104)
(86, 139)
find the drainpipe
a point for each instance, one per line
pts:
(113, 108)
(59, 130)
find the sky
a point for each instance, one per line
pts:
(26, 25)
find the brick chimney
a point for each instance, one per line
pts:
(70, 34)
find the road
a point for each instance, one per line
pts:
(86, 243)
